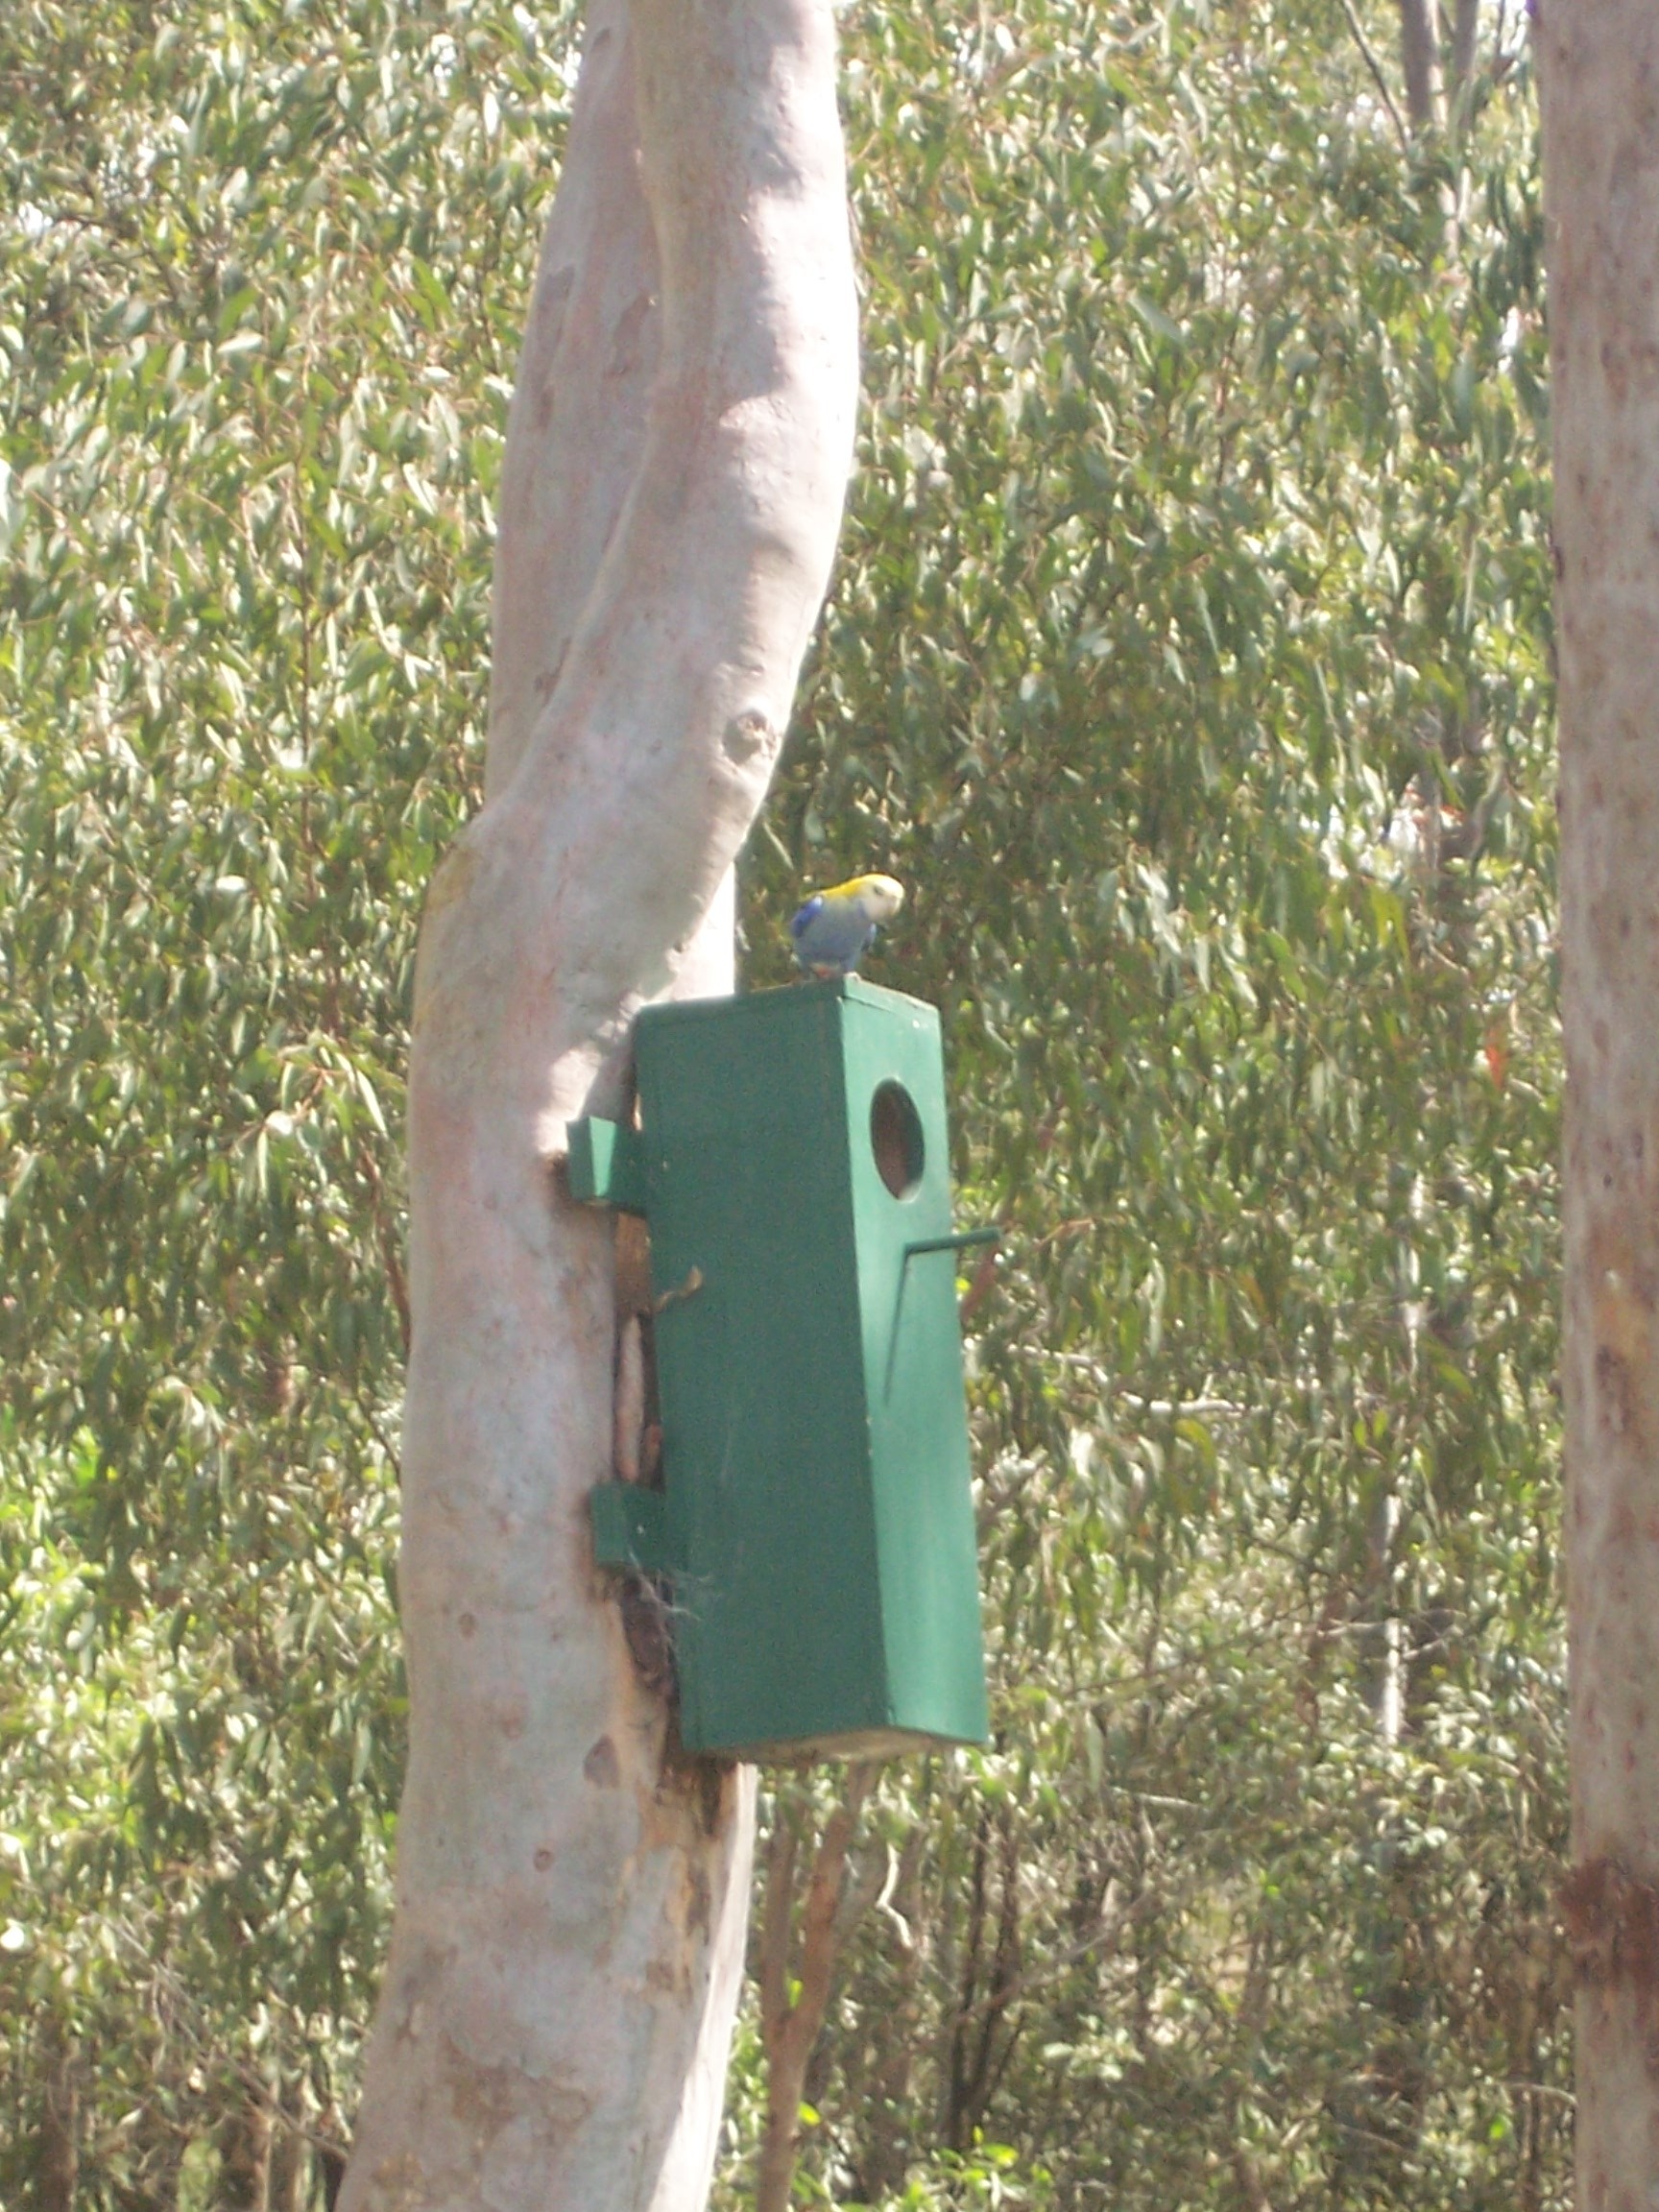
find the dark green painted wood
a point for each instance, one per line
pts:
(606, 1166)
(817, 1508)
(912, 1357)
(630, 1528)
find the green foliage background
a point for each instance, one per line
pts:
(1188, 658)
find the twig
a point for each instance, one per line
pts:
(1082, 1364)
(789, 2031)
(1375, 68)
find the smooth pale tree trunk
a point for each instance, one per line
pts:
(571, 1894)
(1599, 66)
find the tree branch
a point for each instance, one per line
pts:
(775, 1930)
(790, 2030)
(1369, 53)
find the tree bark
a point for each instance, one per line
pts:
(1420, 62)
(245, 2152)
(789, 2027)
(571, 1894)
(57, 2155)
(287, 2184)
(1599, 71)
(1465, 36)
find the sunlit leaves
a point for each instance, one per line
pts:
(1188, 658)
(256, 342)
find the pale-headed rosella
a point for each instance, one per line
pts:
(837, 927)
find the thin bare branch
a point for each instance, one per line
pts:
(1369, 55)
(775, 1928)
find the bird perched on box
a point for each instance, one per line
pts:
(835, 929)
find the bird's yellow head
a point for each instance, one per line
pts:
(879, 896)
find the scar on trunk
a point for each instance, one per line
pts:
(1612, 1921)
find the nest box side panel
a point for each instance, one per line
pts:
(912, 1350)
(778, 1625)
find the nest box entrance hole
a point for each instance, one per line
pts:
(897, 1141)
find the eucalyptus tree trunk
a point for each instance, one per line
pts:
(1420, 61)
(571, 1893)
(1599, 63)
(1465, 38)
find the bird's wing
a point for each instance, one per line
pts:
(834, 936)
(805, 916)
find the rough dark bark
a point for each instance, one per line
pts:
(58, 2161)
(245, 2156)
(288, 2188)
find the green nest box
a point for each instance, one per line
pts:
(815, 1523)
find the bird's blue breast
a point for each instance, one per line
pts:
(832, 933)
